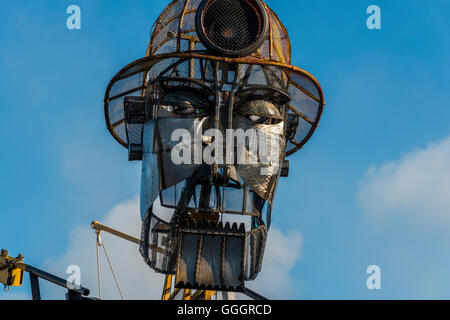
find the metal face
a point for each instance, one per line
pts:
(192, 177)
(213, 133)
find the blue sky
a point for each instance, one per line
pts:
(387, 95)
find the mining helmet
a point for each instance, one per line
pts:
(228, 31)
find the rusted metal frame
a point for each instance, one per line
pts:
(267, 76)
(214, 232)
(244, 257)
(271, 185)
(301, 144)
(258, 55)
(155, 236)
(222, 260)
(191, 61)
(198, 258)
(172, 258)
(278, 50)
(125, 93)
(281, 81)
(170, 37)
(163, 43)
(279, 53)
(126, 133)
(158, 21)
(231, 101)
(174, 72)
(260, 249)
(180, 25)
(270, 34)
(218, 89)
(249, 232)
(314, 126)
(202, 69)
(154, 99)
(145, 67)
(144, 245)
(162, 174)
(183, 35)
(216, 211)
(194, 195)
(186, 36)
(253, 255)
(280, 25)
(118, 123)
(180, 243)
(247, 60)
(169, 21)
(309, 94)
(192, 80)
(247, 75)
(187, 55)
(301, 115)
(207, 65)
(171, 67)
(143, 94)
(198, 295)
(253, 87)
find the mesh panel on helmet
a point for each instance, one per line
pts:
(174, 31)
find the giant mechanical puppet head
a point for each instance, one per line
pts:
(213, 110)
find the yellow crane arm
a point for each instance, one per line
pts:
(98, 227)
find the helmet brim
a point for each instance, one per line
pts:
(306, 93)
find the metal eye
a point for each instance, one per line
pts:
(260, 111)
(184, 103)
(184, 108)
(259, 119)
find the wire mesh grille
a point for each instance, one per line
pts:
(174, 31)
(232, 24)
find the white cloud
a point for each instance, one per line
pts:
(417, 186)
(138, 281)
(283, 251)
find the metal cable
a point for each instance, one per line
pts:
(112, 271)
(98, 266)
